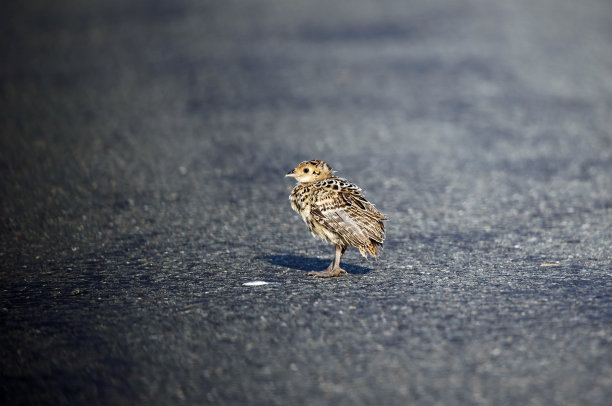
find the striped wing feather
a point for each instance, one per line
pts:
(349, 215)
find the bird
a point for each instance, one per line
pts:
(336, 211)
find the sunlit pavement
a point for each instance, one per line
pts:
(143, 202)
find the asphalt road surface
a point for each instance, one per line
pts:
(142, 160)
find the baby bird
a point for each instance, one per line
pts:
(336, 211)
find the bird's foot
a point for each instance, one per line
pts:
(328, 273)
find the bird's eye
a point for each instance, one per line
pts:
(306, 170)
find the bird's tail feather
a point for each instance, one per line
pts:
(373, 249)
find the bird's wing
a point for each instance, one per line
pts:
(346, 212)
(355, 198)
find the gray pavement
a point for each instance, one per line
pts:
(142, 161)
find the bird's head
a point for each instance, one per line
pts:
(311, 171)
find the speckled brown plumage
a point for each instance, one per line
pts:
(336, 211)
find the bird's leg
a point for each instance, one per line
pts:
(334, 268)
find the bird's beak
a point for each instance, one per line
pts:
(290, 174)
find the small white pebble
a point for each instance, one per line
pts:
(259, 283)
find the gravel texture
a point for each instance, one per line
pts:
(142, 160)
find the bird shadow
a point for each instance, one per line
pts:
(308, 264)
